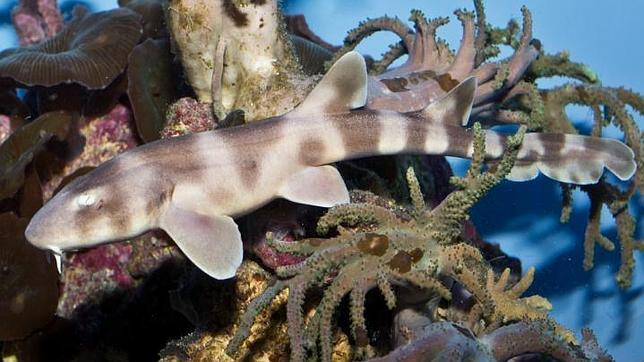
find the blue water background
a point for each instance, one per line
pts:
(524, 217)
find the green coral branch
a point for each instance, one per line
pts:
(354, 214)
(551, 65)
(631, 98)
(566, 202)
(447, 218)
(481, 37)
(416, 195)
(257, 306)
(304, 249)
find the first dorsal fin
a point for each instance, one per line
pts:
(343, 87)
(455, 107)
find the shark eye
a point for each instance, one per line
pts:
(85, 200)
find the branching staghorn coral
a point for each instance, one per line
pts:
(508, 94)
(378, 247)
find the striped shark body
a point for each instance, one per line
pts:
(193, 186)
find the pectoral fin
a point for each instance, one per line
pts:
(212, 242)
(318, 186)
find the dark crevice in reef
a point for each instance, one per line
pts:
(128, 325)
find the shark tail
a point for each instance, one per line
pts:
(571, 158)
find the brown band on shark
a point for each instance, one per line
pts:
(221, 196)
(116, 207)
(120, 222)
(416, 132)
(311, 152)
(249, 156)
(359, 131)
(553, 143)
(460, 141)
(249, 171)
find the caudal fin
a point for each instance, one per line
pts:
(572, 158)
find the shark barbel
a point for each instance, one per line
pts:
(193, 186)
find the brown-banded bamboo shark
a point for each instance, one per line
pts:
(193, 186)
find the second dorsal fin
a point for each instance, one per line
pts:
(455, 107)
(343, 87)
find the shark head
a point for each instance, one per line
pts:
(102, 206)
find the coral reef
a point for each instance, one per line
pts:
(398, 274)
(152, 86)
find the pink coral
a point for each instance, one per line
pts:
(91, 274)
(101, 139)
(188, 116)
(36, 20)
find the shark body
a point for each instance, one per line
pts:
(193, 186)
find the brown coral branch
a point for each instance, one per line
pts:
(463, 63)
(521, 339)
(369, 27)
(481, 35)
(525, 54)
(297, 25)
(539, 336)
(395, 51)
